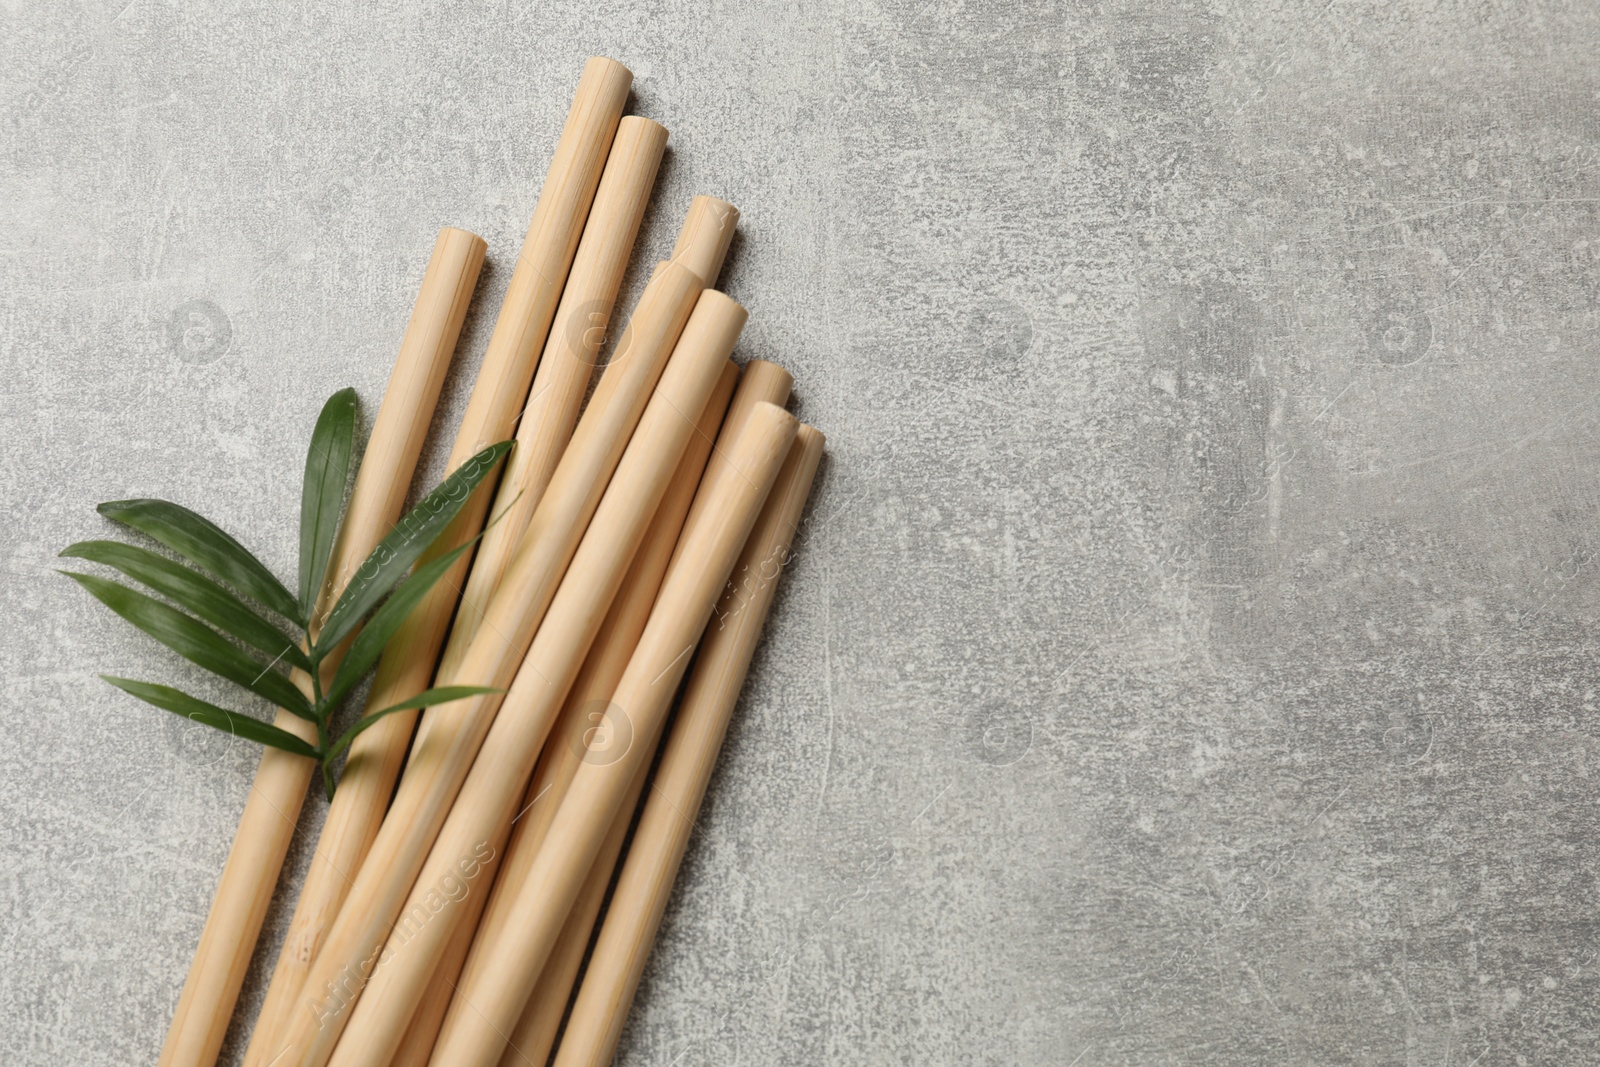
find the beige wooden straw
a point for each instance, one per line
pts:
(545, 677)
(614, 410)
(407, 666)
(494, 988)
(571, 353)
(557, 224)
(701, 247)
(608, 656)
(443, 758)
(765, 382)
(265, 828)
(546, 424)
(762, 382)
(634, 914)
(706, 235)
(535, 1034)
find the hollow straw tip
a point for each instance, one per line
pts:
(635, 153)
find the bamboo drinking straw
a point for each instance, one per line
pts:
(369, 775)
(762, 382)
(701, 247)
(535, 1034)
(407, 666)
(607, 658)
(707, 232)
(658, 320)
(679, 786)
(558, 220)
(265, 828)
(495, 990)
(530, 1043)
(570, 354)
(480, 817)
(437, 770)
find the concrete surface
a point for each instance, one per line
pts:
(1188, 659)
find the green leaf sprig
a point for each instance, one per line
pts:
(231, 611)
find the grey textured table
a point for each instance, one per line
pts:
(1187, 658)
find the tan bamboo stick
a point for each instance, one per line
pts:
(495, 987)
(608, 656)
(657, 321)
(256, 858)
(701, 247)
(547, 252)
(437, 769)
(640, 899)
(763, 383)
(706, 235)
(570, 355)
(481, 816)
(535, 1033)
(406, 668)
(546, 425)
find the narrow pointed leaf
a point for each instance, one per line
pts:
(231, 722)
(322, 492)
(207, 546)
(428, 698)
(204, 598)
(369, 643)
(195, 642)
(395, 554)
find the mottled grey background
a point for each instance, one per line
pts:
(1188, 658)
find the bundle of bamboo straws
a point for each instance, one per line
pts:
(630, 547)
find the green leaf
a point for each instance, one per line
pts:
(205, 598)
(322, 492)
(232, 722)
(369, 643)
(395, 554)
(195, 642)
(428, 698)
(207, 546)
